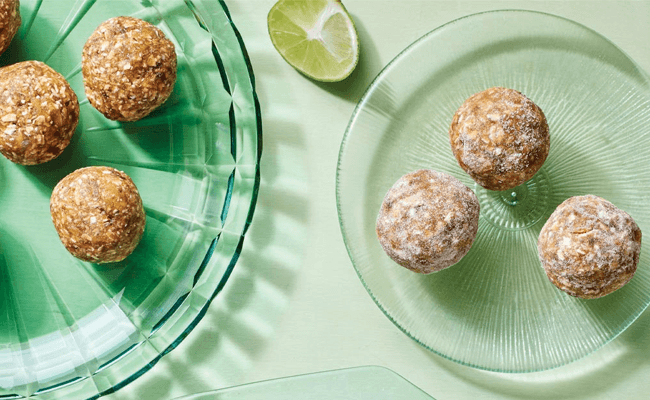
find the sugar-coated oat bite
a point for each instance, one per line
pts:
(589, 247)
(39, 113)
(9, 22)
(428, 221)
(129, 68)
(500, 138)
(98, 214)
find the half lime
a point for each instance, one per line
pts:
(316, 37)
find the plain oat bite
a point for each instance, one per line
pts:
(427, 221)
(589, 247)
(129, 68)
(39, 113)
(500, 138)
(98, 214)
(9, 22)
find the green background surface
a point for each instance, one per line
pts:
(294, 304)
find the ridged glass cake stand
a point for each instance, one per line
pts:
(496, 309)
(70, 329)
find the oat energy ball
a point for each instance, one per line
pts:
(589, 247)
(500, 138)
(9, 22)
(129, 68)
(427, 221)
(39, 113)
(98, 214)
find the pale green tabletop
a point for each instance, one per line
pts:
(294, 303)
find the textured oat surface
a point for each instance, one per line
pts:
(39, 112)
(9, 22)
(589, 247)
(98, 214)
(129, 68)
(428, 221)
(500, 138)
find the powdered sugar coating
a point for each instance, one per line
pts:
(428, 221)
(500, 138)
(39, 112)
(589, 247)
(98, 214)
(129, 68)
(9, 22)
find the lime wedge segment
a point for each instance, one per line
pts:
(316, 37)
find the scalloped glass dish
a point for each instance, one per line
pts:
(70, 329)
(496, 309)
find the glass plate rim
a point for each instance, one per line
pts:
(249, 216)
(346, 137)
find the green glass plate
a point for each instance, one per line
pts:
(70, 329)
(360, 383)
(496, 309)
